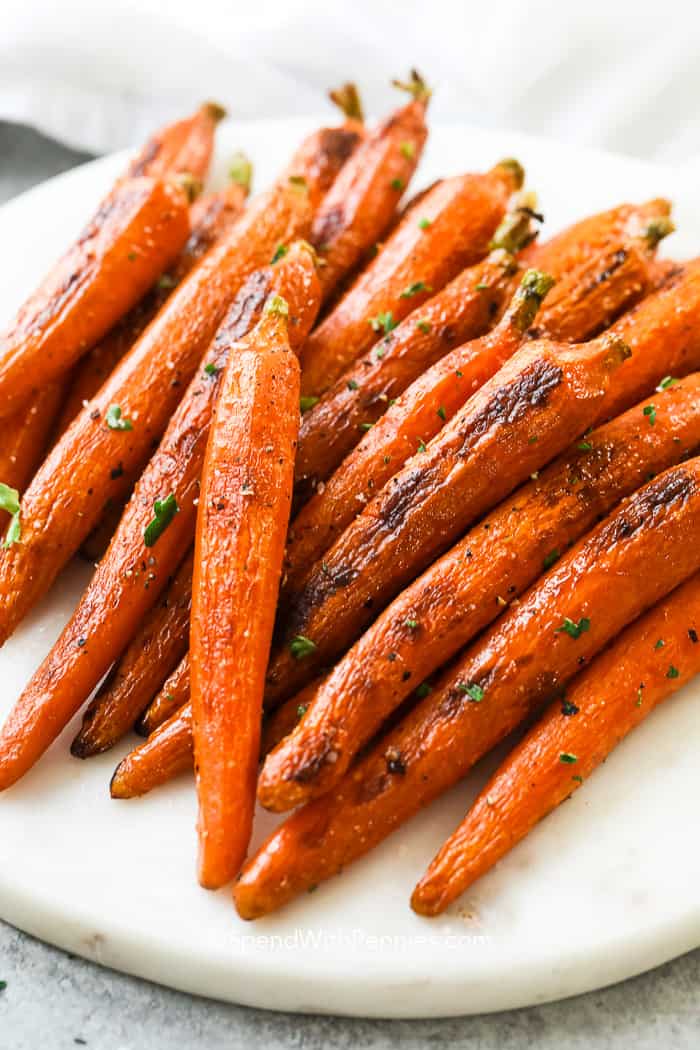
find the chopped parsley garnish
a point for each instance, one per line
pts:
(164, 510)
(307, 402)
(573, 629)
(9, 501)
(423, 326)
(415, 289)
(578, 778)
(650, 413)
(584, 446)
(459, 374)
(665, 383)
(383, 322)
(672, 672)
(353, 384)
(396, 184)
(211, 369)
(408, 150)
(166, 282)
(659, 644)
(411, 623)
(421, 445)
(280, 252)
(423, 690)
(116, 421)
(300, 646)
(301, 710)
(299, 182)
(481, 287)
(568, 709)
(550, 558)
(424, 224)
(441, 413)
(474, 692)
(567, 757)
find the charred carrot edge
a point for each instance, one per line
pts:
(474, 461)
(156, 648)
(458, 220)
(416, 416)
(465, 309)
(167, 753)
(465, 589)
(244, 507)
(619, 690)
(360, 204)
(157, 526)
(182, 148)
(531, 652)
(113, 437)
(211, 217)
(173, 695)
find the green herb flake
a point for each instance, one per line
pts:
(474, 692)
(459, 374)
(568, 708)
(650, 413)
(659, 644)
(578, 778)
(396, 184)
(533, 439)
(550, 558)
(412, 624)
(584, 446)
(415, 289)
(424, 326)
(383, 322)
(421, 445)
(366, 426)
(3, 986)
(353, 384)
(423, 690)
(280, 251)
(408, 150)
(442, 414)
(299, 182)
(307, 402)
(665, 383)
(568, 758)
(301, 710)
(211, 369)
(424, 224)
(132, 256)
(673, 672)
(9, 501)
(481, 287)
(573, 629)
(166, 282)
(116, 421)
(301, 647)
(164, 510)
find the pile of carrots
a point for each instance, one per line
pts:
(370, 480)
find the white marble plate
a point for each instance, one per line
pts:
(605, 888)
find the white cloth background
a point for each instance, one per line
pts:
(100, 74)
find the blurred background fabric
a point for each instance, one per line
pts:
(98, 75)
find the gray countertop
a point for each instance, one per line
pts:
(53, 1000)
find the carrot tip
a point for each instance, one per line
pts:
(214, 110)
(415, 86)
(658, 229)
(116, 788)
(347, 99)
(240, 170)
(514, 169)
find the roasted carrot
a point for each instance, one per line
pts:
(211, 217)
(173, 695)
(465, 309)
(362, 201)
(136, 233)
(465, 589)
(422, 410)
(547, 390)
(154, 531)
(182, 148)
(246, 497)
(26, 434)
(157, 647)
(114, 435)
(459, 217)
(649, 662)
(325, 152)
(520, 663)
(167, 753)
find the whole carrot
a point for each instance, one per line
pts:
(211, 217)
(648, 663)
(113, 436)
(155, 530)
(415, 417)
(459, 217)
(156, 648)
(467, 588)
(638, 554)
(242, 520)
(182, 148)
(173, 695)
(362, 201)
(465, 309)
(547, 391)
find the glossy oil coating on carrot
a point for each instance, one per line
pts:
(246, 497)
(648, 663)
(182, 148)
(547, 390)
(173, 696)
(114, 435)
(159, 759)
(155, 530)
(211, 217)
(638, 553)
(415, 417)
(470, 585)
(362, 201)
(459, 218)
(26, 434)
(158, 645)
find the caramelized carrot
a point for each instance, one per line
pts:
(415, 417)
(158, 645)
(160, 758)
(183, 148)
(362, 201)
(157, 526)
(548, 391)
(136, 233)
(638, 554)
(614, 694)
(211, 217)
(459, 218)
(174, 694)
(465, 589)
(113, 436)
(242, 521)
(26, 434)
